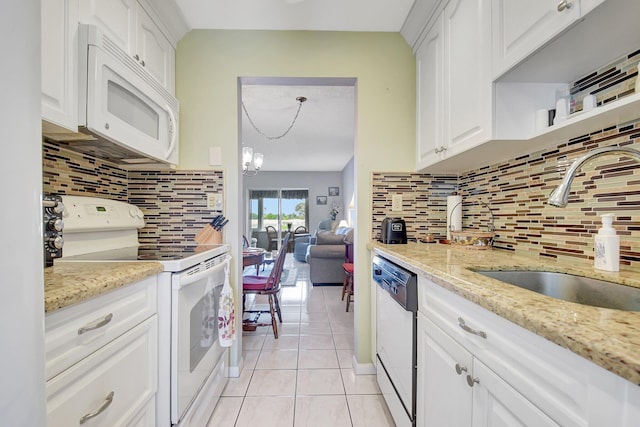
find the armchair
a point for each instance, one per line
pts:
(327, 254)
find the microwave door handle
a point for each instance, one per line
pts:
(174, 133)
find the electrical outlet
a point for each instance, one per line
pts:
(396, 203)
(214, 201)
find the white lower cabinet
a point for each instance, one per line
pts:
(496, 403)
(110, 387)
(116, 383)
(457, 390)
(444, 398)
(476, 368)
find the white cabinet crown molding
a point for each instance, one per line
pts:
(168, 17)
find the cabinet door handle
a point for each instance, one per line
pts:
(440, 149)
(466, 328)
(137, 57)
(471, 381)
(460, 369)
(564, 5)
(101, 409)
(142, 62)
(96, 325)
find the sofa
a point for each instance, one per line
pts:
(326, 254)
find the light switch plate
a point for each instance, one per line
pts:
(214, 201)
(396, 203)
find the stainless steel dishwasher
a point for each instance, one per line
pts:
(396, 335)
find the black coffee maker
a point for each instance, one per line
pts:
(393, 231)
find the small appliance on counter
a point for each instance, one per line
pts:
(52, 226)
(393, 231)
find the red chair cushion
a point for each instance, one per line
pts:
(348, 267)
(255, 283)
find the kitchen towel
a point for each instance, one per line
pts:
(226, 312)
(454, 214)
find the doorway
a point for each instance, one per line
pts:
(304, 145)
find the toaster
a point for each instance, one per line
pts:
(393, 231)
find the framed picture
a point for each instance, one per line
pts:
(321, 200)
(334, 191)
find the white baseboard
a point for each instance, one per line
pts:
(363, 368)
(234, 371)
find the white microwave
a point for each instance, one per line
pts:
(134, 118)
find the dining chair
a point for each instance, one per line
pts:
(347, 266)
(272, 235)
(265, 285)
(245, 242)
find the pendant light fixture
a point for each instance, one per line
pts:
(300, 100)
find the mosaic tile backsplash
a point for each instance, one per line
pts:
(174, 202)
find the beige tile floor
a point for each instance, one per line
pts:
(305, 377)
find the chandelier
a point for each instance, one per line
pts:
(249, 158)
(300, 100)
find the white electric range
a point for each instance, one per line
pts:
(192, 366)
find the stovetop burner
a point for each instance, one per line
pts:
(173, 257)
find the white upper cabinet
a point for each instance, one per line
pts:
(117, 18)
(430, 101)
(521, 27)
(467, 82)
(59, 65)
(454, 90)
(155, 52)
(503, 61)
(131, 27)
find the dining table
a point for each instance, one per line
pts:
(253, 256)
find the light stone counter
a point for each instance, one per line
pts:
(72, 283)
(608, 338)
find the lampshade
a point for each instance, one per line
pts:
(247, 155)
(343, 223)
(257, 160)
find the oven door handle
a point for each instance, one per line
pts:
(185, 280)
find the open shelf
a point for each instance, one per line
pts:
(613, 113)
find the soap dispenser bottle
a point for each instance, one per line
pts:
(607, 246)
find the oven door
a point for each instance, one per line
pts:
(195, 350)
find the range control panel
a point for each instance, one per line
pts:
(52, 226)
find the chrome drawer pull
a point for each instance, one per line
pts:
(460, 369)
(563, 5)
(464, 326)
(96, 325)
(107, 401)
(471, 381)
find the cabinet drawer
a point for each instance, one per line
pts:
(75, 332)
(551, 377)
(126, 367)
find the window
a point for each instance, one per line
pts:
(278, 208)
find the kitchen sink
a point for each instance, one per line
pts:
(567, 287)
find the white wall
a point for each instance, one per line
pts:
(348, 192)
(22, 401)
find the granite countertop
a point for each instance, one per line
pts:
(72, 283)
(609, 338)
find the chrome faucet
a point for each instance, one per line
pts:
(560, 196)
